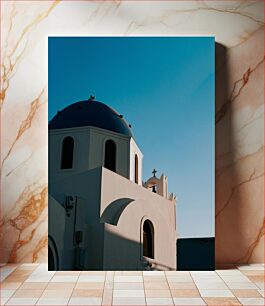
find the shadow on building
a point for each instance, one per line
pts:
(195, 254)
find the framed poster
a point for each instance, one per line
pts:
(131, 153)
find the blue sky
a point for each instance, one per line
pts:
(164, 87)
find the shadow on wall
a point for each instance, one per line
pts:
(125, 254)
(120, 254)
(228, 220)
(222, 134)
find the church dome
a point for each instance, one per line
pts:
(90, 113)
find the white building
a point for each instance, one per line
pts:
(101, 215)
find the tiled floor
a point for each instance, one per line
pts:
(32, 284)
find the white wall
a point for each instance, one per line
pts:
(135, 150)
(98, 137)
(89, 151)
(81, 151)
(110, 246)
(123, 242)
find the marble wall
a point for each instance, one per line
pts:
(238, 27)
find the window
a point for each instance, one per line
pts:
(148, 239)
(110, 155)
(136, 169)
(67, 153)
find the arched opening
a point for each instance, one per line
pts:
(67, 153)
(136, 169)
(51, 261)
(53, 258)
(110, 155)
(148, 239)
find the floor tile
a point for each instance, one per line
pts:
(202, 273)
(128, 301)
(251, 267)
(28, 293)
(3, 300)
(156, 278)
(246, 293)
(33, 286)
(216, 293)
(185, 293)
(251, 301)
(85, 301)
(39, 279)
(5, 271)
(261, 292)
(22, 301)
(28, 266)
(149, 293)
(205, 276)
(61, 286)
(129, 273)
(53, 301)
(232, 272)
(10, 285)
(235, 278)
(107, 297)
(218, 301)
(93, 272)
(182, 286)
(124, 286)
(89, 285)
(128, 293)
(56, 294)
(153, 273)
(260, 285)
(28, 284)
(211, 285)
(256, 278)
(241, 285)
(69, 273)
(156, 285)
(188, 301)
(176, 273)
(128, 279)
(180, 279)
(159, 301)
(87, 293)
(16, 278)
(6, 293)
(253, 272)
(91, 278)
(64, 278)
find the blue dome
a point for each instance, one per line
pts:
(90, 113)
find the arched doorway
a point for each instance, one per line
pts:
(53, 259)
(148, 239)
(110, 155)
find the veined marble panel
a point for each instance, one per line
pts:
(238, 27)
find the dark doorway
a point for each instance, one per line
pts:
(110, 155)
(67, 153)
(148, 239)
(51, 263)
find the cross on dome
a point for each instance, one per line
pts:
(91, 98)
(154, 172)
